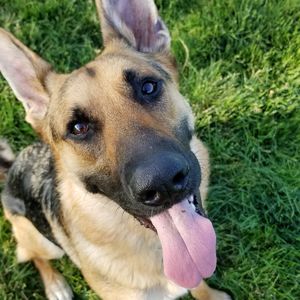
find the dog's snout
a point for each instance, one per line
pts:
(159, 179)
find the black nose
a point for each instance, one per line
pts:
(159, 178)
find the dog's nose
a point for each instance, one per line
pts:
(159, 178)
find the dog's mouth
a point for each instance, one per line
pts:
(188, 242)
(193, 200)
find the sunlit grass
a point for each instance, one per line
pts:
(240, 69)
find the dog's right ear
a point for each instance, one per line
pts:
(26, 73)
(135, 21)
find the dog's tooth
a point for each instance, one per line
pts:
(192, 203)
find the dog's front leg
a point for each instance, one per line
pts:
(56, 287)
(204, 292)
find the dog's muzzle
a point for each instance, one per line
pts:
(161, 182)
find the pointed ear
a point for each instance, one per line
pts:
(135, 21)
(25, 72)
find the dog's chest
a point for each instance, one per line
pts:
(108, 239)
(104, 240)
(138, 269)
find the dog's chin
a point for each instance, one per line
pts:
(193, 200)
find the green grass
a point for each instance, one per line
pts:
(240, 68)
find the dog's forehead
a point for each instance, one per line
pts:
(101, 85)
(105, 76)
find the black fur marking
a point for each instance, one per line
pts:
(102, 184)
(165, 75)
(136, 83)
(5, 164)
(183, 132)
(30, 188)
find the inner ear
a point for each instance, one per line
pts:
(135, 21)
(26, 73)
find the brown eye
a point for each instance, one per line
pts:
(80, 129)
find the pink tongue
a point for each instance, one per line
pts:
(188, 242)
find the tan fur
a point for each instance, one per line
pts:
(204, 292)
(56, 287)
(31, 243)
(108, 252)
(202, 155)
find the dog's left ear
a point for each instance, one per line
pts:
(26, 73)
(135, 21)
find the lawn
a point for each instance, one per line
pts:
(240, 69)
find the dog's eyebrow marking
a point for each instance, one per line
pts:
(79, 114)
(91, 72)
(165, 75)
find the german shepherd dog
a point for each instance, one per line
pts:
(119, 179)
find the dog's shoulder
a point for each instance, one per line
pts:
(30, 188)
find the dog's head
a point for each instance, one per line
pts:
(119, 124)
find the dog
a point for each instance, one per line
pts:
(119, 177)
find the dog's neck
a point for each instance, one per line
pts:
(101, 227)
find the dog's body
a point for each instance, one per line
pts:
(101, 239)
(119, 151)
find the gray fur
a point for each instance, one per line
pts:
(14, 205)
(30, 188)
(7, 157)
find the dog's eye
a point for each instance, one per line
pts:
(149, 87)
(79, 129)
(146, 89)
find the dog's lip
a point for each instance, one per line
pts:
(146, 222)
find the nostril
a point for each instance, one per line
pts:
(179, 180)
(150, 195)
(152, 198)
